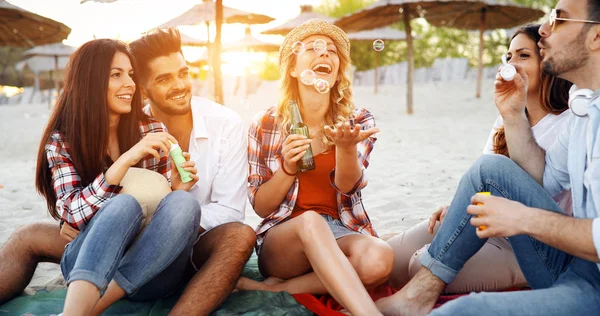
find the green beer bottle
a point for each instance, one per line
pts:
(297, 127)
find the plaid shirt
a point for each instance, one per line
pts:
(78, 204)
(265, 141)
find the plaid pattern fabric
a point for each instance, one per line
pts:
(265, 140)
(78, 204)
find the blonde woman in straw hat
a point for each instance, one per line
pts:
(315, 237)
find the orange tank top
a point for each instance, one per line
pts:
(315, 192)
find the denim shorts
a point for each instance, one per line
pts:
(338, 228)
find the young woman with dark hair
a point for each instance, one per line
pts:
(98, 131)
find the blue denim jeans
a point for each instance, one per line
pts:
(147, 266)
(561, 283)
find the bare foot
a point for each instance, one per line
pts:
(416, 298)
(271, 284)
(273, 280)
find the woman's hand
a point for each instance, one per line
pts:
(345, 136)
(68, 233)
(149, 145)
(292, 150)
(511, 96)
(189, 166)
(438, 215)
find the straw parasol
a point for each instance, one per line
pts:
(22, 28)
(205, 12)
(51, 51)
(251, 43)
(386, 12)
(306, 13)
(385, 34)
(187, 40)
(485, 15)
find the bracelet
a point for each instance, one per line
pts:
(283, 168)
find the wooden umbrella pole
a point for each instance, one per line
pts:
(481, 42)
(376, 70)
(209, 74)
(411, 61)
(56, 85)
(217, 54)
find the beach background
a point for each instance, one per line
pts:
(415, 167)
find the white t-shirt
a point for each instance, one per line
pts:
(545, 133)
(218, 145)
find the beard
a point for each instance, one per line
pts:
(572, 57)
(171, 109)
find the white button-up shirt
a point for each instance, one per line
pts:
(218, 146)
(573, 162)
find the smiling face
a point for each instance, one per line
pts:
(523, 52)
(120, 85)
(325, 64)
(169, 85)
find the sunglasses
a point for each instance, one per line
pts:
(554, 17)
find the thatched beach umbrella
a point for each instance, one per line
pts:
(306, 13)
(386, 12)
(50, 51)
(22, 28)
(382, 34)
(251, 43)
(187, 40)
(485, 15)
(205, 12)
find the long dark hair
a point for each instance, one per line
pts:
(81, 116)
(554, 92)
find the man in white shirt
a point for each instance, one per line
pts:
(215, 138)
(558, 254)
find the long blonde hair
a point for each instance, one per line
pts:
(341, 106)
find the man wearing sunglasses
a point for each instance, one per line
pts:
(558, 254)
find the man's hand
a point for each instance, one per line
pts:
(503, 217)
(189, 166)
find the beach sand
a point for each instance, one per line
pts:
(414, 168)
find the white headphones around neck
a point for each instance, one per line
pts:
(579, 99)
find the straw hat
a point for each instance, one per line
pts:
(314, 27)
(147, 187)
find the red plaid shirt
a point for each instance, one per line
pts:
(265, 141)
(78, 204)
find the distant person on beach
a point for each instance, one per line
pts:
(557, 253)
(315, 237)
(495, 267)
(216, 139)
(96, 132)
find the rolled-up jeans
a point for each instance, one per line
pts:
(561, 283)
(148, 265)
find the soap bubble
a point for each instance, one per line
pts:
(322, 86)
(320, 46)
(245, 104)
(298, 48)
(308, 77)
(378, 45)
